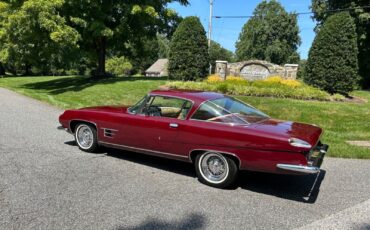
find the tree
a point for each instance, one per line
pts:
(270, 34)
(188, 57)
(2, 70)
(144, 55)
(332, 62)
(33, 34)
(114, 24)
(119, 66)
(46, 34)
(217, 52)
(163, 46)
(324, 8)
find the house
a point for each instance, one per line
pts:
(158, 69)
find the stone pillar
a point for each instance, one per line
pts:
(221, 69)
(290, 71)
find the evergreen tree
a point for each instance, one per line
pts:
(188, 57)
(324, 8)
(332, 62)
(271, 34)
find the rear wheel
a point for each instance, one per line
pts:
(86, 137)
(215, 169)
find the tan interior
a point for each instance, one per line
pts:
(170, 111)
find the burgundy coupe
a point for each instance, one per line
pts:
(219, 134)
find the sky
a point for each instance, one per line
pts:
(226, 30)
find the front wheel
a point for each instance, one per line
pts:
(86, 137)
(215, 169)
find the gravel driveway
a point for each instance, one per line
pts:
(46, 182)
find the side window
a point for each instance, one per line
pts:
(167, 107)
(207, 111)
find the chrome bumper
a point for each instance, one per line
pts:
(314, 161)
(65, 129)
(299, 168)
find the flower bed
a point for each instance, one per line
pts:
(270, 87)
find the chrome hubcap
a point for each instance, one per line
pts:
(214, 167)
(85, 137)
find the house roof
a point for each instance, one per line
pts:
(158, 66)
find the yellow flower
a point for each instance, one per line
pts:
(235, 79)
(288, 82)
(213, 79)
(291, 83)
(273, 79)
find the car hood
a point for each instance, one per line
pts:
(111, 109)
(289, 129)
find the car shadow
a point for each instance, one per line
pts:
(169, 165)
(303, 189)
(192, 221)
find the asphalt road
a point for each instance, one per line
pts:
(46, 182)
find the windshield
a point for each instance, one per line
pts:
(228, 110)
(135, 109)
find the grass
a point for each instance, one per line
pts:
(342, 121)
(77, 91)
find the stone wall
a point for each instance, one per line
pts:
(256, 69)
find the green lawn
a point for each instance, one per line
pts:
(341, 121)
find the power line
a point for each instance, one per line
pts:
(300, 13)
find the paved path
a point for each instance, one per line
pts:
(46, 182)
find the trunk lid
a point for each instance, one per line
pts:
(289, 129)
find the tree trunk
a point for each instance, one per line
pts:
(2, 70)
(101, 51)
(27, 70)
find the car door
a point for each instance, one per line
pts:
(158, 124)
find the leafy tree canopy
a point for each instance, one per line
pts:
(332, 62)
(188, 56)
(33, 33)
(271, 34)
(37, 30)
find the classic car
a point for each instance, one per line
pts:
(219, 134)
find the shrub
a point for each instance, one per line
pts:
(213, 78)
(274, 87)
(236, 80)
(291, 83)
(188, 56)
(118, 66)
(332, 63)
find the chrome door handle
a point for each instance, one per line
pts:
(174, 125)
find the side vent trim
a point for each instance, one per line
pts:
(109, 132)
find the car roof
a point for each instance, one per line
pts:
(193, 95)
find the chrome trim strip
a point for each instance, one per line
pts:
(299, 168)
(110, 134)
(144, 150)
(217, 151)
(114, 130)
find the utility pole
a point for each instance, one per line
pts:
(210, 32)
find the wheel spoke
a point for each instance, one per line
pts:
(213, 167)
(84, 136)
